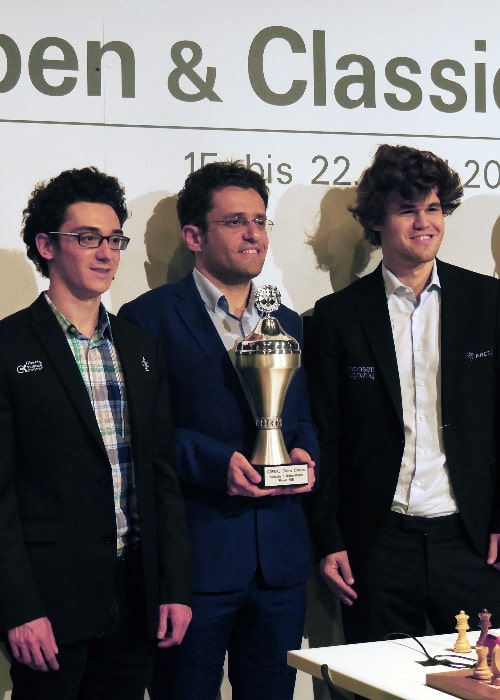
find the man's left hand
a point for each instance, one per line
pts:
(299, 456)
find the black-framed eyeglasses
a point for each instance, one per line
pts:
(238, 222)
(91, 239)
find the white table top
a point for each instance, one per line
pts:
(382, 670)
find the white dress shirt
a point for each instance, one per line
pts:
(231, 329)
(423, 487)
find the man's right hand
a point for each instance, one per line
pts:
(243, 479)
(336, 571)
(34, 645)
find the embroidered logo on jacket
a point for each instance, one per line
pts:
(30, 366)
(145, 364)
(361, 372)
(478, 355)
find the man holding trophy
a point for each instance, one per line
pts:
(245, 444)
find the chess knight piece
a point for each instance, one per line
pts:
(267, 360)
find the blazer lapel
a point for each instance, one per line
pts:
(371, 302)
(134, 364)
(193, 315)
(451, 331)
(48, 332)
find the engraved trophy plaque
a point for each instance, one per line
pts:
(267, 360)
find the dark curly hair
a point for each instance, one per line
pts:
(411, 173)
(195, 199)
(46, 209)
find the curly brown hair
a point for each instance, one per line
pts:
(410, 172)
(49, 200)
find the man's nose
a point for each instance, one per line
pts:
(421, 220)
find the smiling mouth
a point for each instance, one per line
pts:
(250, 251)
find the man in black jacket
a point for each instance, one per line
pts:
(93, 543)
(404, 372)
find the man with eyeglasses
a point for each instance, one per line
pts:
(94, 547)
(250, 545)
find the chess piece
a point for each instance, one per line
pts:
(462, 644)
(495, 665)
(484, 625)
(482, 671)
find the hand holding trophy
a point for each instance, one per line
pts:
(267, 360)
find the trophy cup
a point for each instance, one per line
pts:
(267, 360)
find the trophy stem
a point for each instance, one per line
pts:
(270, 449)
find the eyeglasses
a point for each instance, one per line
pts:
(238, 222)
(90, 239)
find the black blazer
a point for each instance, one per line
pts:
(356, 400)
(57, 520)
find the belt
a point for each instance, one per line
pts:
(445, 524)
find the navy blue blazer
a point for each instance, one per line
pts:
(356, 396)
(231, 535)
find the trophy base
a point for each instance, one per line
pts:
(282, 475)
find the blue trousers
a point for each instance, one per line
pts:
(257, 625)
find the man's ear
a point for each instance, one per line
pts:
(44, 245)
(193, 238)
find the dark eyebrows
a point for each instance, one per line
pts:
(412, 204)
(95, 229)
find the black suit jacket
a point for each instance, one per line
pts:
(57, 519)
(356, 400)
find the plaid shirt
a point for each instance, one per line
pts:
(102, 374)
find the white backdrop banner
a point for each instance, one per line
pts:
(303, 91)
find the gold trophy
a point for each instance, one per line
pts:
(267, 360)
